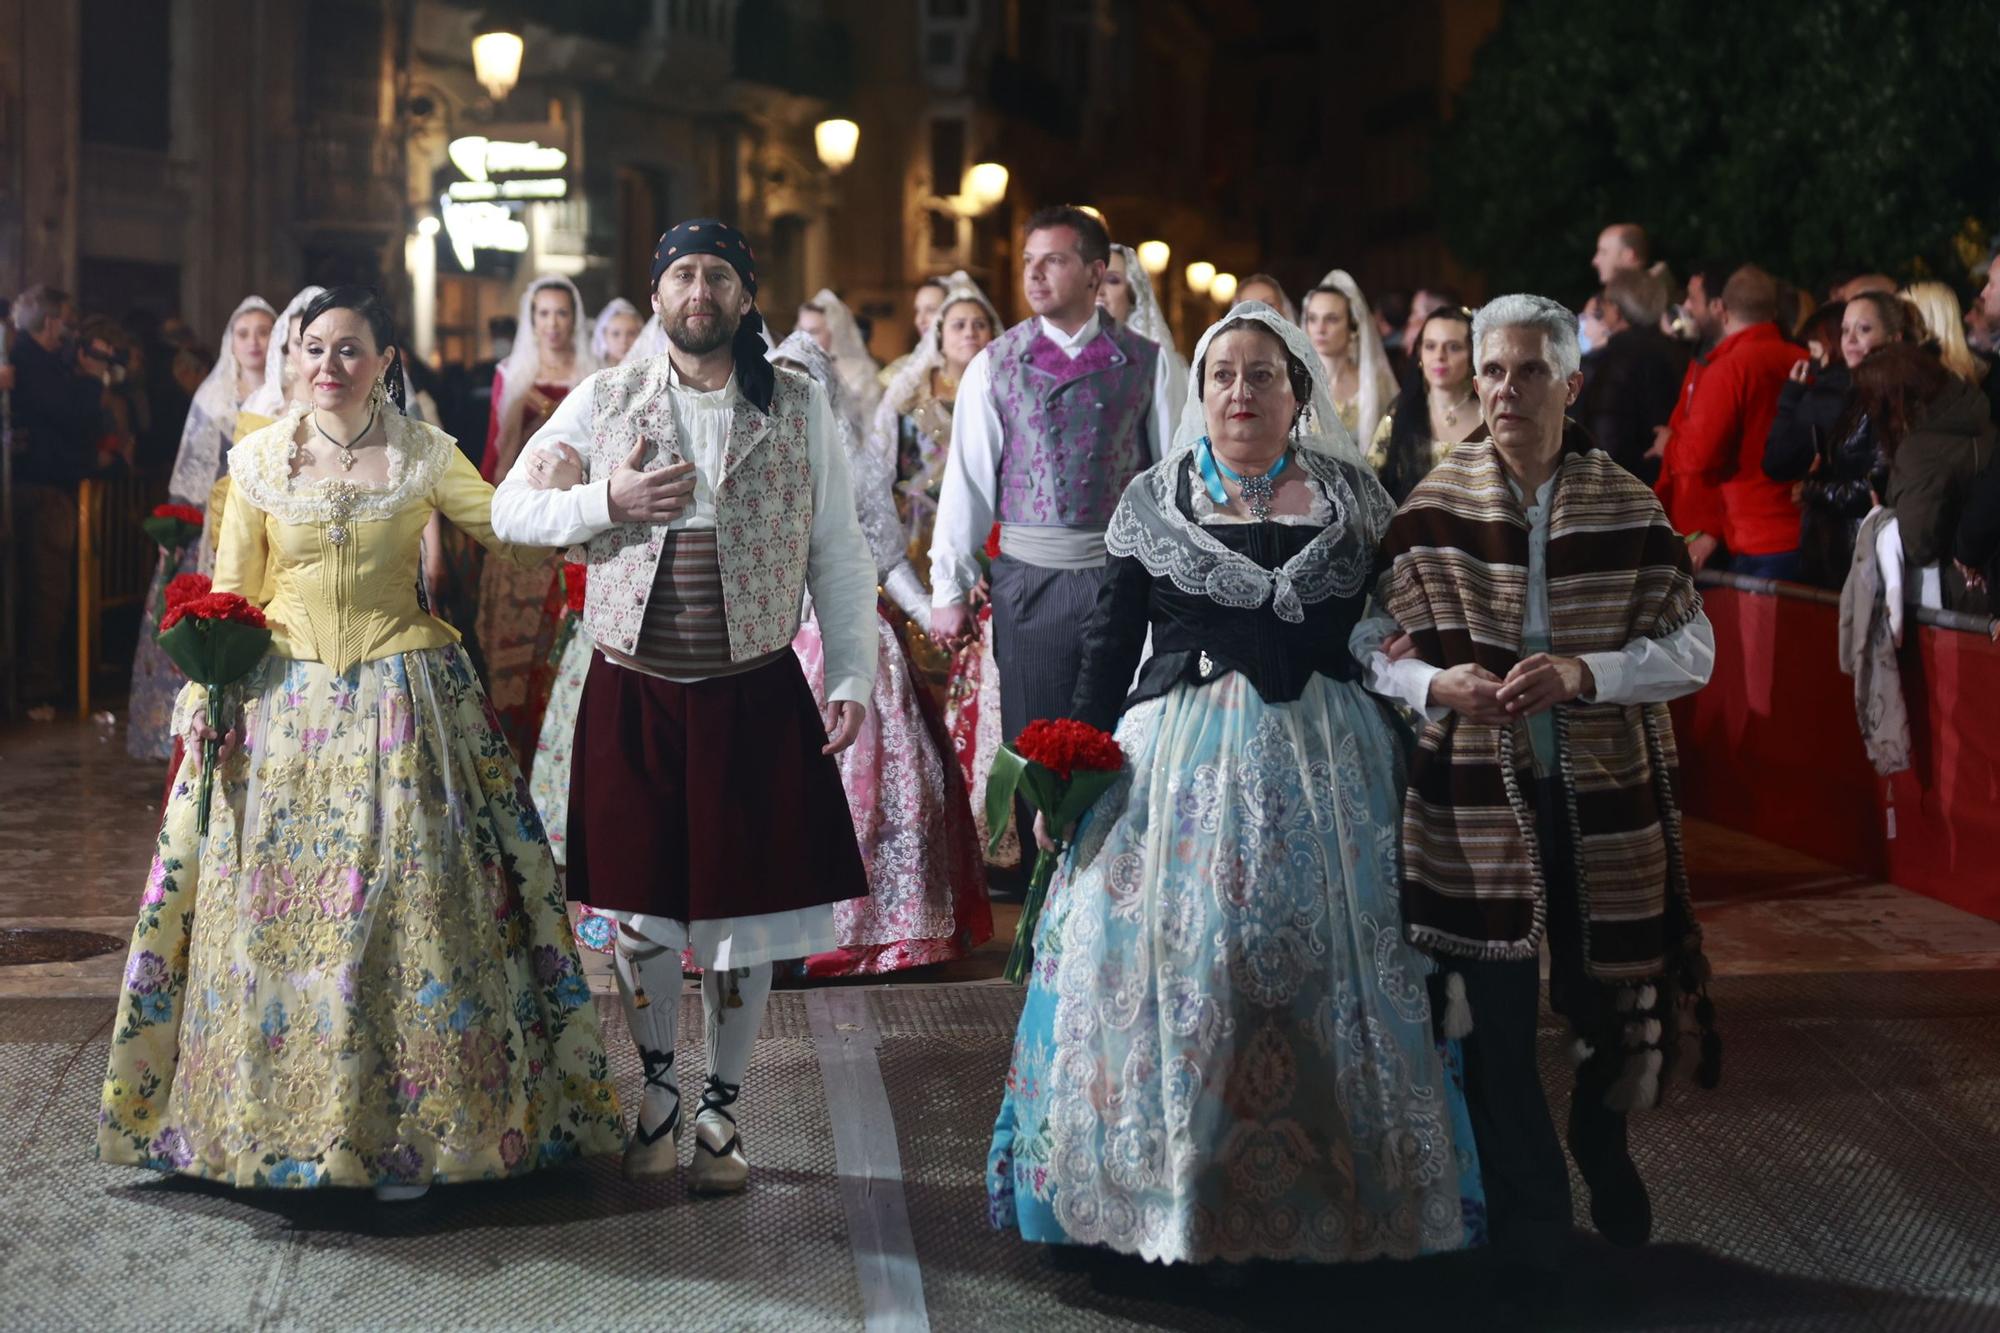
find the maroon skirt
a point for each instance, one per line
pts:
(707, 800)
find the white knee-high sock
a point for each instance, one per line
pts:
(732, 1032)
(649, 982)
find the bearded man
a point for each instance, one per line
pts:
(711, 493)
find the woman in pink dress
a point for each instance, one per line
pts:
(926, 883)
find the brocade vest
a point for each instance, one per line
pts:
(763, 510)
(1074, 430)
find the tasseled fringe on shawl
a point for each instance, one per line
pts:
(1457, 1024)
(1642, 1036)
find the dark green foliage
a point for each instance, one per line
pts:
(1813, 138)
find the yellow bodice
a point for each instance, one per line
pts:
(335, 565)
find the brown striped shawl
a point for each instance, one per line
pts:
(1457, 553)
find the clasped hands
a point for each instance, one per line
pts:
(1536, 684)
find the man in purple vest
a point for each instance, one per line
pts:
(1052, 420)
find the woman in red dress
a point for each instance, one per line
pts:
(519, 609)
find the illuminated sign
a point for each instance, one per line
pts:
(475, 191)
(481, 226)
(483, 211)
(481, 158)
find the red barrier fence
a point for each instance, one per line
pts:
(1771, 747)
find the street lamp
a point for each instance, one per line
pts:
(1154, 257)
(1199, 274)
(985, 185)
(836, 141)
(1222, 288)
(496, 56)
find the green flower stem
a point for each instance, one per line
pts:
(1022, 957)
(209, 749)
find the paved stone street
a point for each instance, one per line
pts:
(1846, 1176)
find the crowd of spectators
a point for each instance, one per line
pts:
(88, 396)
(1773, 419)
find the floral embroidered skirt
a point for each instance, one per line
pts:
(548, 780)
(926, 898)
(972, 717)
(519, 611)
(155, 679)
(1227, 1048)
(365, 975)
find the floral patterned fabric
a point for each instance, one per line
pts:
(548, 780)
(972, 715)
(366, 974)
(516, 620)
(764, 509)
(1227, 1050)
(926, 898)
(155, 678)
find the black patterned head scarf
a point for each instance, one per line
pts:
(711, 236)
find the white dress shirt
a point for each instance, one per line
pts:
(971, 487)
(840, 571)
(1644, 671)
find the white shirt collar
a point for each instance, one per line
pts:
(1072, 343)
(708, 398)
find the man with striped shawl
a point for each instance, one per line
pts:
(1548, 612)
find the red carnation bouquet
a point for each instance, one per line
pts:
(576, 585)
(171, 527)
(216, 639)
(1060, 767)
(185, 588)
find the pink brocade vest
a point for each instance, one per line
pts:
(1074, 430)
(763, 519)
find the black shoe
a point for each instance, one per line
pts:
(1619, 1208)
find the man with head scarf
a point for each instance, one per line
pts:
(711, 494)
(1054, 418)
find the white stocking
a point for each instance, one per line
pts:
(732, 1032)
(649, 981)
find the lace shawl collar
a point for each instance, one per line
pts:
(1149, 526)
(261, 467)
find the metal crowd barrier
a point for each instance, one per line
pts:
(1800, 592)
(115, 560)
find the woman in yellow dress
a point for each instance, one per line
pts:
(364, 975)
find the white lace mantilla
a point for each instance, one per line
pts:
(261, 466)
(1149, 526)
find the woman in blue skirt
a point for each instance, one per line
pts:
(1227, 1050)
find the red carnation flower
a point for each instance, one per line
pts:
(185, 588)
(187, 514)
(1063, 746)
(993, 543)
(215, 606)
(576, 581)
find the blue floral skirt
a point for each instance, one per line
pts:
(1227, 1050)
(364, 974)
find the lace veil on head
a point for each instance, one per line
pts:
(1319, 430)
(652, 340)
(613, 308)
(851, 359)
(1148, 320)
(273, 399)
(211, 420)
(524, 357)
(803, 351)
(1378, 382)
(929, 353)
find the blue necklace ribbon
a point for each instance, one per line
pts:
(1256, 490)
